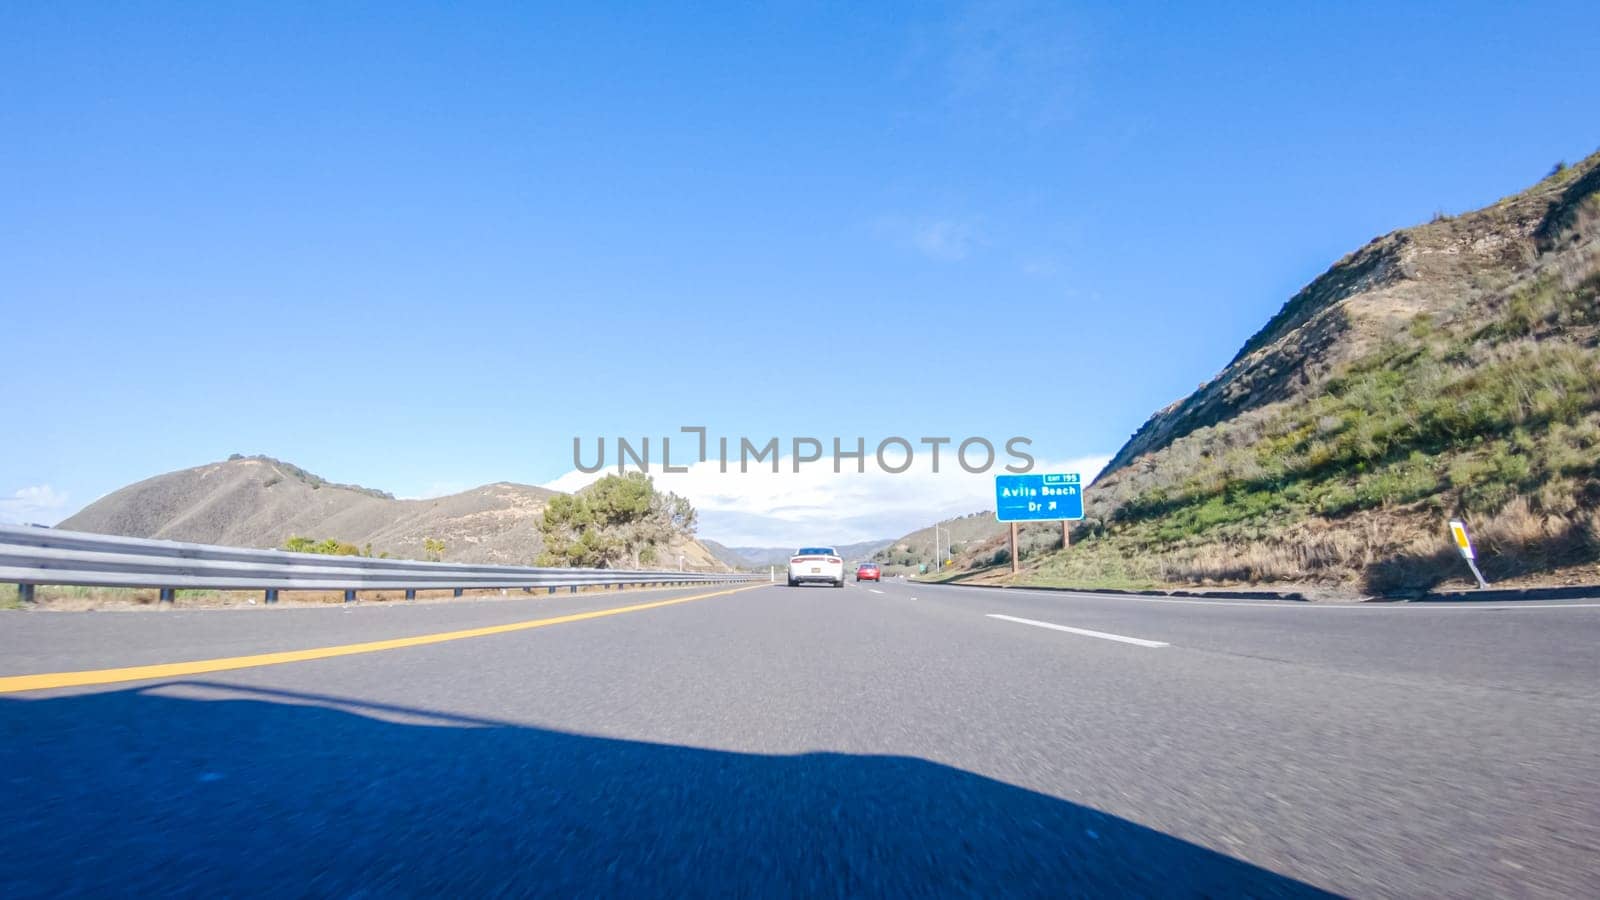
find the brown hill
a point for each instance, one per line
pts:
(1452, 265)
(261, 502)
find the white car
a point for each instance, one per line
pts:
(816, 564)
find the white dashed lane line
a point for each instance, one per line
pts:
(1105, 636)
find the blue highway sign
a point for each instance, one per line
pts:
(1037, 498)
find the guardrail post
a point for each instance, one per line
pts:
(272, 595)
(572, 589)
(411, 593)
(456, 593)
(25, 593)
(552, 589)
(350, 595)
(167, 595)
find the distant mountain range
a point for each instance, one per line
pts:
(257, 501)
(956, 536)
(757, 557)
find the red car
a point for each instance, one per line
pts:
(868, 572)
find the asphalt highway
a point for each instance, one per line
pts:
(895, 739)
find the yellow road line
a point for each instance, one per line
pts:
(14, 683)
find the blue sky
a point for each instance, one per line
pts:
(423, 246)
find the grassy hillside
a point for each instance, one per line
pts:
(1445, 370)
(959, 536)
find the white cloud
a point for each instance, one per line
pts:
(816, 505)
(440, 489)
(944, 239)
(941, 239)
(1040, 266)
(574, 480)
(39, 503)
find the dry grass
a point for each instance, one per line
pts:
(1308, 555)
(1400, 553)
(1551, 533)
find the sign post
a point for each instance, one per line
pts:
(1037, 498)
(1458, 531)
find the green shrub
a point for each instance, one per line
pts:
(1338, 500)
(329, 547)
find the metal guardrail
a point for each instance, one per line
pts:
(32, 556)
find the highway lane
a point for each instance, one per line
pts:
(802, 741)
(1539, 647)
(56, 641)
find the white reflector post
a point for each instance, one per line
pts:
(1458, 532)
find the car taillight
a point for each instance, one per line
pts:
(795, 559)
(834, 560)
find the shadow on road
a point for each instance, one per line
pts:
(204, 789)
